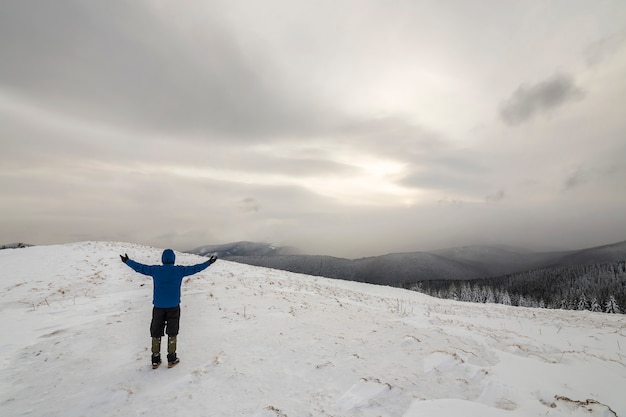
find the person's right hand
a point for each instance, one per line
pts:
(213, 258)
(124, 257)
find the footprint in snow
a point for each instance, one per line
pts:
(498, 395)
(441, 361)
(364, 393)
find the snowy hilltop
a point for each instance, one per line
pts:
(258, 342)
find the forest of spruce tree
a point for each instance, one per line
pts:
(596, 287)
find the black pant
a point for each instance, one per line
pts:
(163, 318)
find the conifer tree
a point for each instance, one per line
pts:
(595, 306)
(611, 306)
(505, 298)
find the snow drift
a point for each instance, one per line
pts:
(264, 343)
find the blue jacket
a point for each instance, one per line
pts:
(167, 278)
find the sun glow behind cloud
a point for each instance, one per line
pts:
(372, 183)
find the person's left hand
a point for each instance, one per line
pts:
(213, 258)
(124, 257)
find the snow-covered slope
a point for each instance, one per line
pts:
(264, 343)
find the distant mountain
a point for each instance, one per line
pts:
(397, 269)
(244, 249)
(324, 266)
(607, 253)
(400, 269)
(500, 260)
(393, 269)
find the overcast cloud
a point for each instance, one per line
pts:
(348, 128)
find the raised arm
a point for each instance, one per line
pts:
(194, 269)
(136, 266)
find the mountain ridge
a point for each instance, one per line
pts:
(400, 269)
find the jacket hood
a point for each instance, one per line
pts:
(168, 257)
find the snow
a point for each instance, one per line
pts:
(265, 343)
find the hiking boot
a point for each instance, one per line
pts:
(172, 360)
(156, 361)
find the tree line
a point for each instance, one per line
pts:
(595, 287)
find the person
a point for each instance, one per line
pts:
(167, 279)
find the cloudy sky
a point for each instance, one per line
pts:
(344, 127)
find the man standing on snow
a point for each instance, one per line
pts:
(166, 299)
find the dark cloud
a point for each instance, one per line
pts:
(121, 62)
(529, 100)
